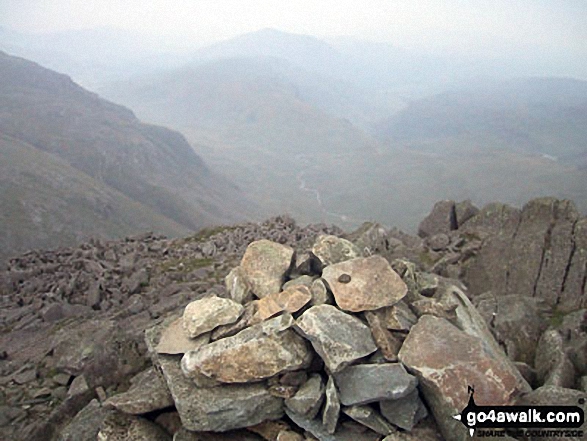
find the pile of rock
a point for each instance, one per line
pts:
(327, 344)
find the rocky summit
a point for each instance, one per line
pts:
(278, 332)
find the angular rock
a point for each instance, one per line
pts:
(269, 430)
(337, 337)
(331, 249)
(370, 238)
(367, 383)
(515, 321)
(404, 412)
(237, 286)
(239, 325)
(446, 359)
(175, 339)
(265, 265)
(240, 435)
(258, 352)
(331, 407)
(464, 211)
(388, 344)
(370, 418)
(118, 426)
(148, 393)
(289, 435)
(572, 295)
(303, 280)
(320, 293)
(309, 397)
(553, 367)
(290, 300)
(220, 408)
(398, 318)
(317, 429)
(438, 242)
(442, 219)
(364, 284)
(86, 424)
(204, 315)
(435, 308)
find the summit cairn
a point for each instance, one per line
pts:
(271, 361)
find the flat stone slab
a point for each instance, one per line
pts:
(317, 429)
(331, 407)
(220, 408)
(258, 352)
(308, 398)
(265, 265)
(368, 417)
(336, 336)
(175, 339)
(404, 412)
(446, 360)
(367, 383)
(148, 393)
(364, 284)
(205, 314)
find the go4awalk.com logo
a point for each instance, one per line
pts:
(560, 420)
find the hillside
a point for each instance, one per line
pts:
(150, 165)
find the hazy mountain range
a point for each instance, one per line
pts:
(75, 165)
(339, 131)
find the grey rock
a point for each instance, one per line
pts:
(399, 317)
(303, 280)
(309, 397)
(552, 365)
(330, 249)
(175, 339)
(317, 429)
(370, 418)
(204, 315)
(237, 286)
(370, 238)
(220, 408)
(120, 427)
(337, 337)
(438, 242)
(442, 219)
(320, 293)
(331, 407)
(464, 211)
(404, 412)
(367, 383)
(258, 352)
(265, 265)
(86, 424)
(148, 393)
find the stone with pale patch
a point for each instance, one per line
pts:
(330, 249)
(446, 360)
(364, 284)
(331, 407)
(237, 286)
(265, 265)
(309, 397)
(204, 315)
(338, 337)
(260, 351)
(370, 418)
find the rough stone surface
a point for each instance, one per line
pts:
(204, 315)
(388, 344)
(398, 318)
(317, 429)
(175, 339)
(445, 359)
(442, 219)
(331, 407)
(367, 383)
(120, 427)
(337, 337)
(404, 412)
(331, 249)
(220, 408)
(320, 293)
(237, 286)
(370, 418)
(290, 300)
(373, 284)
(260, 351)
(517, 323)
(265, 265)
(148, 393)
(464, 211)
(370, 238)
(86, 424)
(309, 397)
(553, 367)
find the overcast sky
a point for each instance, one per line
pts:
(455, 24)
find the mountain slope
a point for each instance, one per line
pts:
(151, 165)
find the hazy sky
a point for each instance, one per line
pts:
(456, 24)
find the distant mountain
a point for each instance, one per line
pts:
(112, 173)
(546, 116)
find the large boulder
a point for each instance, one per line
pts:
(337, 337)
(442, 219)
(258, 352)
(265, 266)
(446, 360)
(364, 284)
